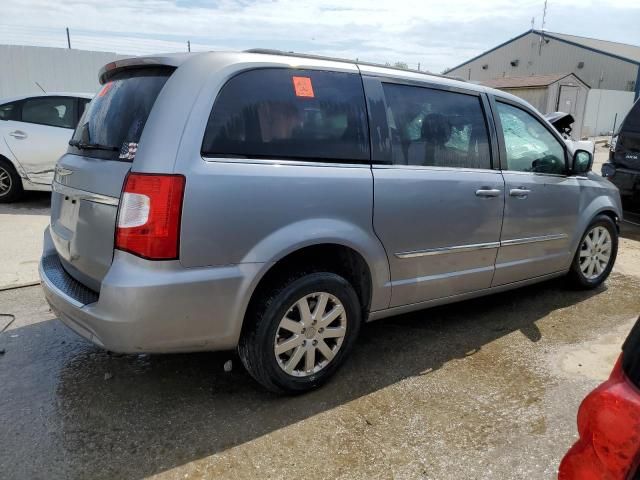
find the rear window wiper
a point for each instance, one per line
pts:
(92, 146)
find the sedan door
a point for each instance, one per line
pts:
(41, 134)
(542, 201)
(437, 201)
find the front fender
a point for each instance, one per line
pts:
(318, 231)
(6, 152)
(592, 208)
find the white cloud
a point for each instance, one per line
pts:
(436, 34)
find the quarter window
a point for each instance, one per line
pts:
(284, 113)
(436, 128)
(530, 146)
(10, 111)
(52, 111)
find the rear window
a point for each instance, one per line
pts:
(113, 122)
(290, 114)
(51, 111)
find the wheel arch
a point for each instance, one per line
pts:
(601, 205)
(334, 257)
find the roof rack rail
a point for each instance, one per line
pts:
(269, 51)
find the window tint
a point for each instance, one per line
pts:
(118, 113)
(52, 111)
(530, 146)
(282, 113)
(10, 111)
(436, 128)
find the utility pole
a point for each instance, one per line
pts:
(188, 45)
(544, 18)
(68, 38)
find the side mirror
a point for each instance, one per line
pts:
(582, 162)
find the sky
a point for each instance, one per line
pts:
(433, 34)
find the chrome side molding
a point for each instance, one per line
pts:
(479, 246)
(445, 250)
(542, 238)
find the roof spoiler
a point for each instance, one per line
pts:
(110, 69)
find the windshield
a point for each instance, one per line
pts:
(112, 123)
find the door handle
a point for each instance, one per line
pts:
(488, 192)
(519, 192)
(19, 134)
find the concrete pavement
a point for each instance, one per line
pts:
(485, 389)
(21, 227)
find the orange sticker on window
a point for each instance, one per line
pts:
(105, 89)
(303, 87)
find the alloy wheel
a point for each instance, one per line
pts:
(310, 334)
(5, 181)
(595, 252)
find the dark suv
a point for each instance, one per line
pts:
(623, 168)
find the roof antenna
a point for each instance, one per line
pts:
(533, 22)
(40, 87)
(544, 18)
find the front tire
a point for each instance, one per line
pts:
(10, 183)
(300, 332)
(596, 254)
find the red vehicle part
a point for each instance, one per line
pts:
(609, 429)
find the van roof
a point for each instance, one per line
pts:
(278, 56)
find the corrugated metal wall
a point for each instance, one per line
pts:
(56, 69)
(556, 57)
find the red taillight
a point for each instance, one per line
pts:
(609, 428)
(149, 216)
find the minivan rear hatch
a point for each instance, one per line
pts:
(89, 177)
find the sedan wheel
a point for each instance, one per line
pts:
(5, 181)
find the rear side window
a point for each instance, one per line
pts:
(436, 128)
(112, 123)
(284, 113)
(51, 111)
(10, 111)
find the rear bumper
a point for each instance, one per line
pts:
(627, 181)
(155, 307)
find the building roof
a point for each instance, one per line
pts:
(622, 51)
(530, 81)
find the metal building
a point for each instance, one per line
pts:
(611, 69)
(54, 69)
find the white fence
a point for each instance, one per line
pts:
(55, 69)
(601, 110)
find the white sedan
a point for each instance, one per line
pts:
(34, 133)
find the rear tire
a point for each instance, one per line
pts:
(596, 254)
(299, 332)
(10, 183)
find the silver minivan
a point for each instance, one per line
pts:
(273, 202)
